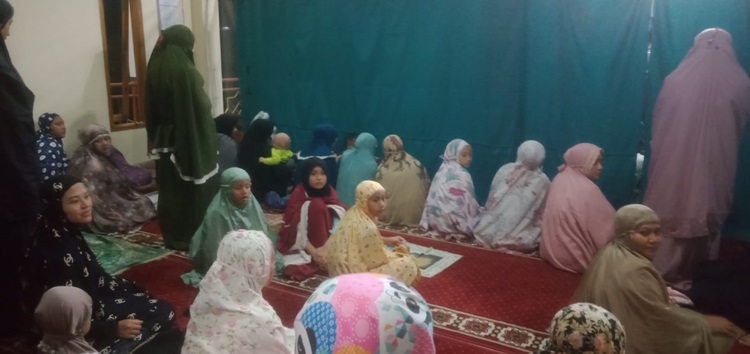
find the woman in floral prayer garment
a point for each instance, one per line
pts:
(452, 208)
(512, 219)
(229, 315)
(118, 207)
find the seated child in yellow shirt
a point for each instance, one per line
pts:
(280, 152)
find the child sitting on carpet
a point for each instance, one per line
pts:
(64, 316)
(229, 315)
(233, 208)
(312, 213)
(364, 313)
(452, 208)
(357, 246)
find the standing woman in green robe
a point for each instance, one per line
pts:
(181, 130)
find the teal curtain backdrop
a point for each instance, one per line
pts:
(676, 22)
(494, 73)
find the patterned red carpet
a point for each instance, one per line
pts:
(487, 302)
(162, 279)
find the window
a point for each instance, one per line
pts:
(124, 62)
(170, 13)
(229, 80)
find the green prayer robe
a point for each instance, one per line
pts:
(222, 217)
(182, 132)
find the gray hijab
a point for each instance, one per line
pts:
(61, 314)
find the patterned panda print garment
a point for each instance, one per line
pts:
(364, 313)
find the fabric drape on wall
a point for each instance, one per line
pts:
(676, 23)
(585, 75)
(493, 73)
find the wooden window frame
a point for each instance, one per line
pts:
(127, 107)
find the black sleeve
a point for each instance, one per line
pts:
(18, 154)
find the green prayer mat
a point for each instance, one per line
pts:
(116, 255)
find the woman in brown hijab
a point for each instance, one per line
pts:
(623, 280)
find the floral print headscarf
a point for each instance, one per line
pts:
(584, 328)
(229, 315)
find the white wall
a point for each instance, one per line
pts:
(56, 45)
(171, 13)
(205, 26)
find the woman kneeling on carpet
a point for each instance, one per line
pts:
(364, 313)
(406, 183)
(577, 218)
(118, 206)
(512, 219)
(230, 315)
(623, 280)
(310, 217)
(356, 165)
(357, 246)
(584, 328)
(233, 208)
(125, 317)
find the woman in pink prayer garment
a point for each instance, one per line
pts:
(698, 122)
(578, 220)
